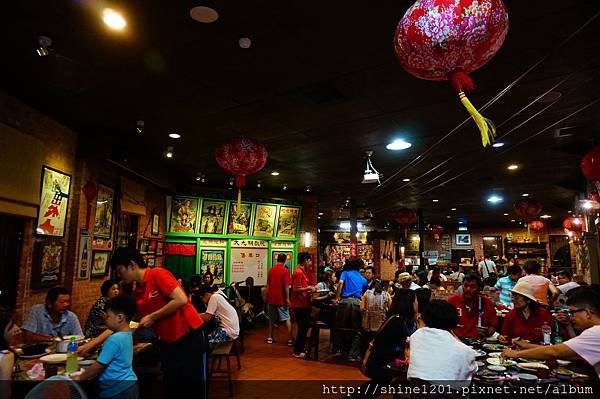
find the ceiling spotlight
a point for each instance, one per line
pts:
(406, 179)
(506, 214)
(448, 216)
(320, 213)
(513, 167)
(245, 42)
(513, 220)
(569, 211)
(113, 19)
(452, 209)
(274, 173)
(307, 189)
(259, 184)
(398, 144)
(494, 199)
(139, 127)
(44, 43)
(284, 187)
(231, 182)
(174, 135)
(435, 200)
(545, 217)
(169, 152)
(525, 195)
(498, 144)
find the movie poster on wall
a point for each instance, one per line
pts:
(183, 215)
(54, 201)
(104, 211)
(287, 224)
(48, 258)
(239, 220)
(264, 220)
(213, 261)
(85, 251)
(213, 217)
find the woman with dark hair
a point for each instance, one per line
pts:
(208, 279)
(374, 305)
(94, 324)
(423, 298)
(8, 331)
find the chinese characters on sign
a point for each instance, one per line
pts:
(54, 201)
(249, 244)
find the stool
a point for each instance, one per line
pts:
(315, 334)
(225, 350)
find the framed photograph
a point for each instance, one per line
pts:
(213, 217)
(213, 260)
(287, 225)
(160, 245)
(151, 262)
(104, 211)
(152, 246)
(144, 246)
(463, 239)
(239, 220)
(100, 264)
(48, 257)
(54, 202)
(183, 215)
(84, 258)
(264, 220)
(155, 224)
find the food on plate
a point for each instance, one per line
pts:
(533, 365)
(496, 362)
(497, 368)
(494, 347)
(495, 354)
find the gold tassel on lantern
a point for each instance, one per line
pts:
(485, 125)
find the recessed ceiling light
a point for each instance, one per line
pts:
(513, 167)
(398, 144)
(174, 135)
(525, 195)
(448, 216)
(245, 42)
(506, 214)
(494, 199)
(274, 173)
(453, 209)
(206, 15)
(435, 200)
(320, 213)
(498, 144)
(513, 220)
(545, 217)
(113, 19)
(405, 179)
(569, 211)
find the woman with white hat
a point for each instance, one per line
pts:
(526, 319)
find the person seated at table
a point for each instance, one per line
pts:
(458, 274)
(435, 353)
(506, 283)
(435, 285)
(94, 324)
(565, 284)
(114, 364)
(527, 317)
(423, 298)
(477, 315)
(435, 272)
(53, 319)
(219, 308)
(8, 332)
(584, 310)
(404, 280)
(540, 284)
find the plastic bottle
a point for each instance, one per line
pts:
(558, 339)
(547, 333)
(72, 363)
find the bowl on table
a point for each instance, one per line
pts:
(527, 378)
(564, 374)
(495, 361)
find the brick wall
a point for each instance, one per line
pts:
(310, 210)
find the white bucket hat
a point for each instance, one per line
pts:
(525, 289)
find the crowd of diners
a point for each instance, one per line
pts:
(400, 321)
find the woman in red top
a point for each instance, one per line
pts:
(165, 308)
(527, 317)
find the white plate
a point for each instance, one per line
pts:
(86, 363)
(496, 361)
(533, 365)
(494, 347)
(563, 362)
(56, 358)
(495, 354)
(497, 368)
(480, 353)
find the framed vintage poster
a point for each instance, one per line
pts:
(183, 215)
(289, 255)
(84, 258)
(155, 224)
(100, 264)
(213, 261)
(144, 246)
(213, 217)
(463, 239)
(48, 257)
(150, 261)
(239, 220)
(54, 201)
(264, 220)
(160, 248)
(104, 211)
(287, 225)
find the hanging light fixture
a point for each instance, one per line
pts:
(43, 49)
(371, 175)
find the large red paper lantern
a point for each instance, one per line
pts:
(527, 209)
(447, 40)
(405, 216)
(437, 230)
(241, 156)
(573, 224)
(590, 166)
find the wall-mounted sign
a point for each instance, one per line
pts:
(54, 201)
(282, 244)
(212, 242)
(249, 244)
(249, 262)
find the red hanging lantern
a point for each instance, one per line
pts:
(590, 166)
(437, 230)
(448, 39)
(527, 209)
(573, 224)
(537, 226)
(405, 216)
(241, 156)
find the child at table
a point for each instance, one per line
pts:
(114, 364)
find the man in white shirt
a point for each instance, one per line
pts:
(217, 306)
(487, 266)
(405, 281)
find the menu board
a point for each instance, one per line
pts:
(249, 258)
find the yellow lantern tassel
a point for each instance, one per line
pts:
(485, 125)
(239, 200)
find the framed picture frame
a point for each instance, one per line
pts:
(212, 220)
(155, 224)
(48, 258)
(213, 260)
(104, 212)
(84, 258)
(151, 261)
(264, 220)
(144, 246)
(100, 261)
(287, 222)
(239, 221)
(54, 202)
(160, 245)
(463, 239)
(184, 212)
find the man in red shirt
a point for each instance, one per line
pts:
(474, 310)
(165, 308)
(301, 302)
(278, 297)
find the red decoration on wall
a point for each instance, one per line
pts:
(448, 39)
(241, 156)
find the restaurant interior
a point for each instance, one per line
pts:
(215, 137)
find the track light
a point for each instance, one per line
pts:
(44, 44)
(169, 152)
(139, 127)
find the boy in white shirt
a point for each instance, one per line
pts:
(218, 306)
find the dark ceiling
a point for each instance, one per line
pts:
(319, 86)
